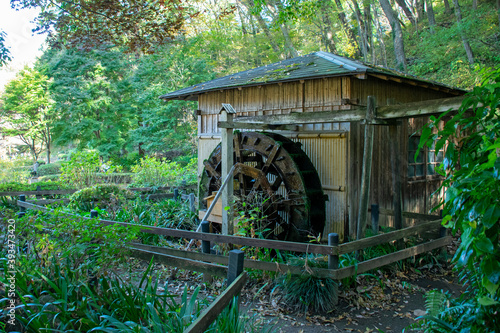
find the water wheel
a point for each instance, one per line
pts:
(273, 174)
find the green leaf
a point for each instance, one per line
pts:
(487, 301)
(490, 287)
(491, 269)
(484, 245)
(491, 217)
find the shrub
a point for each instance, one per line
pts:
(14, 171)
(50, 169)
(153, 172)
(307, 292)
(101, 196)
(82, 169)
(44, 185)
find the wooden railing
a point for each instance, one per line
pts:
(209, 263)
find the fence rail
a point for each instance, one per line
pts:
(196, 261)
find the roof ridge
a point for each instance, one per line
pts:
(345, 62)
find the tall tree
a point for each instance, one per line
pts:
(91, 91)
(465, 41)
(347, 28)
(135, 25)
(27, 111)
(397, 34)
(409, 15)
(430, 15)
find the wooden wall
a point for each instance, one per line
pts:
(416, 194)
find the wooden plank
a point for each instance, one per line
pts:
(392, 257)
(227, 163)
(387, 237)
(250, 264)
(192, 265)
(410, 215)
(423, 108)
(212, 312)
(218, 238)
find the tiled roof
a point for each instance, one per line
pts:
(314, 65)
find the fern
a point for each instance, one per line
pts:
(435, 302)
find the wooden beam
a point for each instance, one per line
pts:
(406, 110)
(258, 126)
(397, 203)
(226, 115)
(416, 109)
(184, 263)
(368, 265)
(366, 170)
(212, 312)
(364, 243)
(306, 117)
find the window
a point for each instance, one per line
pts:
(426, 162)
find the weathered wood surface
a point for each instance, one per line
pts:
(416, 109)
(387, 237)
(189, 264)
(391, 258)
(272, 244)
(410, 215)
(366, 172)
(210, 314)
(251, 264)
(406, 110)
(47, 201)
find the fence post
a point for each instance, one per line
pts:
(191, 202)
(38, 189)
(22, 210)
(375, 218)
(333, 262)
(235, 267)
(205, 247)
(176, 194)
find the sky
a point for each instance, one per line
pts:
(24, 46)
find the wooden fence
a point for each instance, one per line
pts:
(220, 265)
(210, 263)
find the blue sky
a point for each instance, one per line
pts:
(24, 46)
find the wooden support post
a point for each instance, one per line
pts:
(366, 168)
(205, 248)
(191, 202)
(176, 194)
(235, 267)
(38, 189)
(396, 181)
(333, 262)
(375, 218)
(227, 160)
(22, 210)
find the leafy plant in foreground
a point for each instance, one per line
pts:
(472, 193)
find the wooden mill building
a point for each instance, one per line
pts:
(320, 100)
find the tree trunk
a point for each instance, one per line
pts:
(48, 142)
(420, 10)
(397, 34)
(369, 23)
(362, 28)
(465, 41)
(290, 51)
(380, 35)
(447, 8)
(407, 11)
(326, 30)
(430, 15)
(347, 28)
(263, 25)
(474, 4)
